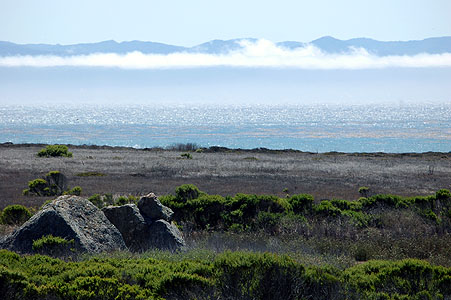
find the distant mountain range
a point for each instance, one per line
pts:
(327, 44)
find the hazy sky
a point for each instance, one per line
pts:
(190, 22)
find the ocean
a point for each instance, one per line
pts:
(392, 128)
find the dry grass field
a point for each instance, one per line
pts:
(131, 171)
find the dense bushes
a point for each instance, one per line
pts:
(301, 204)
(15, 215)
(186, 192)
(198, 210)
(231, 275)
(55, 151)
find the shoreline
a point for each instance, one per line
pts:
(219, 149)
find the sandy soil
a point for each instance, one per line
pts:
(131, 171)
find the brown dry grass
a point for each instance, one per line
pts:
(132, 171)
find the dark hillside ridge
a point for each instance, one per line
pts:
(434, 45)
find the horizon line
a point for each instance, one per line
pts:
(219, 39)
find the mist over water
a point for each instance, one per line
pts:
(315, 128)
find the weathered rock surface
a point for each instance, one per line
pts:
(131, 225)
(151, 208)
(145, 227)
(165, 235)
(69, 217)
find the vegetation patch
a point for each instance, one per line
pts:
(55, 151)
(196, 209)
(91, 174)
(15, 215)
(53, 245)
(230, 275)
(54, 183)
(250, 158)
(186, 155)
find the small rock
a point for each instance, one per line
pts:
(151, 208)
(165, 235)
(131, 225)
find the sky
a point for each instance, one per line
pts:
(188, 23)
(259, 73)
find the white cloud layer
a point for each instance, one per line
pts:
(261, 53)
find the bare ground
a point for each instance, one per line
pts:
(131, 171)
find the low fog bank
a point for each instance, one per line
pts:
(222, 85)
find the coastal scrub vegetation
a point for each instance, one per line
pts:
(54, 183)
(90, 174)
(15, 215)
(375, 227)
(52, 245)
(250, 246)
(55, 151)
(206, 275)
(199, 210)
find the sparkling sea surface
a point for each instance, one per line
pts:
(391, 128)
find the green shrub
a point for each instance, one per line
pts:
(38, 186)
(443, 194)
(430, 215)
(52, 245)
(205, 211)
(108, 199)
(270, 203)
(122, 200)
(55, 151)
(240, 209)
(91, 174)
(96, 199)
(405, 279)
(15, 215)
(385, 201)
(268, 221)
(76, 191)
(364, 191)
(346, 204)
(326, 209)
(358, 218)
(186, 155)
(133, 199)
(424, 202)
(259, 276)
(301, 203)
(230, 275)
(53, 185)
(186, 192)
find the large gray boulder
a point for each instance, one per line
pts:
(151, 208)
(131, 225)
(69, 217)
(146, 226)
(165, 235)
